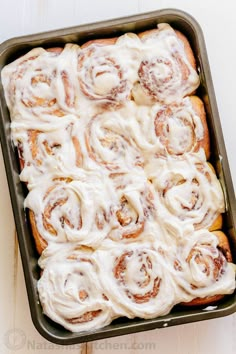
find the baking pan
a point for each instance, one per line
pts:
(12, 49)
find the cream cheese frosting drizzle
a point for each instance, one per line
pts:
(106, 72)
(38, 86)
(70, 291)
(135, 211)
(109, 144)
(50, 152)
(201, 268)
(136, 280)
(188, 191)
(180, 129)
(71, 210)
(165, 73)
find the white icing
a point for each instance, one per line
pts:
(204, 270)
(47, 152)
(180, 127)
(36, 85)
(70, 291)
(142, 287)
(188, 191)
(107, 73)
(73, 210)
(109, 143)
(165, 69)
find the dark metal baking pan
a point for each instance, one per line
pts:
(16, 47)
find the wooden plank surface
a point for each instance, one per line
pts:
(17, 333)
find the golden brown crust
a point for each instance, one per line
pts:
(217, 223)
(198, 107)
(187, 48)
(101, 42)
(40, 243)
(211, 167)
(57, 50)
(224, 247)
(210, 300)
(188, 51)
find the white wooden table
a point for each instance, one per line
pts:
(18, 17)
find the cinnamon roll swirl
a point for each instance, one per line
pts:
(67, 210)
(70, 291)
(182, 127)
(102, 76)
(189, 193)
(41, 152)
(38, 84)
(167, 72)
(136, 280)
(134, 210)
(109, 143)
(203, 268)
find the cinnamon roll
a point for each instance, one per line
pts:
(134, 210)
(38, 86)
(189, 193)
(136, 280)
(167, 72)
(203, 268)
(67, 210)
(182, 127)
(41, 152)
(103, 77)
(70, 291)
(109, 143)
